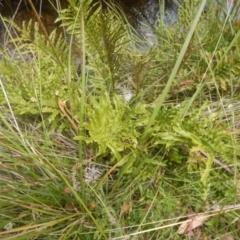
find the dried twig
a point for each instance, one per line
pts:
(219, 163)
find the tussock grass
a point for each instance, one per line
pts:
(131, 142)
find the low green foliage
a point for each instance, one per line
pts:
(114, 137)
(115, 128)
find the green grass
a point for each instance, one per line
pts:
(77, 161)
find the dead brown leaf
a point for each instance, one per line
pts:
(197, 220)
(67, 190)
(69, 207)
(238, 226)
(93, 205)
(228, 237)
(192, 223)
(61, 105)
(125, 208)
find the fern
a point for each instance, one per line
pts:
(115, 130)
(32, 85)
(223, 68)
(110, 126)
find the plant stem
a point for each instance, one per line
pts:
(83, 99)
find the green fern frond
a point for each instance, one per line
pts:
(32, 84)
(224, 68)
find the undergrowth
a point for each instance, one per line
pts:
(104, 135)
